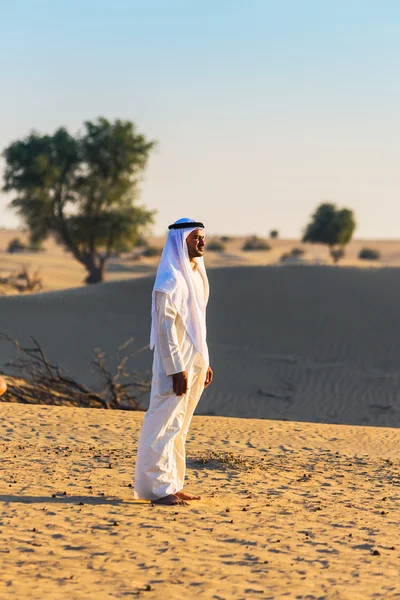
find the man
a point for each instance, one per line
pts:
(180, 367)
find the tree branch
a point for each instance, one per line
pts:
(43, 382)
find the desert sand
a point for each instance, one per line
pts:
(294, 448)
(288, 510)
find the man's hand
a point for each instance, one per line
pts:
(209, 377)
(180, 383)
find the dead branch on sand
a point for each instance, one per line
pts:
(36, 380)
(23, 281)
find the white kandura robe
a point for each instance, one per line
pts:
(160, 461)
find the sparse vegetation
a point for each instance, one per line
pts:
(255, 243)
(225, 239)
(225, 460)
(294, 253)
(369, 254)
(16, 245)
(274, 234)
(22, 281)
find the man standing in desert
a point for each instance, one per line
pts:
(180, 367)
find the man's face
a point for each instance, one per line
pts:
(196, 243)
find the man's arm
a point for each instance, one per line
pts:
(209, 377)
(169, 344)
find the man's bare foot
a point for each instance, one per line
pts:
(185, 496)
(171, 500)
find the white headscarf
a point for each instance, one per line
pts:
(175, 277)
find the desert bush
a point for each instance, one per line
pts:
(274, 234)
(225, 238)
(23, 281)
(294, 253)
(255, 243)
(369, 254)
(216, 246)
(16, 245)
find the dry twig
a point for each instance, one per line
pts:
(23, 281)
(40, 381)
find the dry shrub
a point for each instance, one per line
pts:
(255, 243)
(23, 281)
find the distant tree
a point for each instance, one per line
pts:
(274, 234)
(82, 189)
(332, 227)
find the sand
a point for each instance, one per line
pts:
(288, 510)
(300, 495)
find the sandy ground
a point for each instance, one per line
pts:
(288, 510)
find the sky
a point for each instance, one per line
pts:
(262, 109)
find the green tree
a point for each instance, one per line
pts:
(331, 226)
(83, 189)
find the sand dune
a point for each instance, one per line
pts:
(317, 344)
(288, 510)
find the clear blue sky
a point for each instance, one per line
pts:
(262, 109)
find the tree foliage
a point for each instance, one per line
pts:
(331, 226)
(81, 188)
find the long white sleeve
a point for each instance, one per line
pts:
(167, 336)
